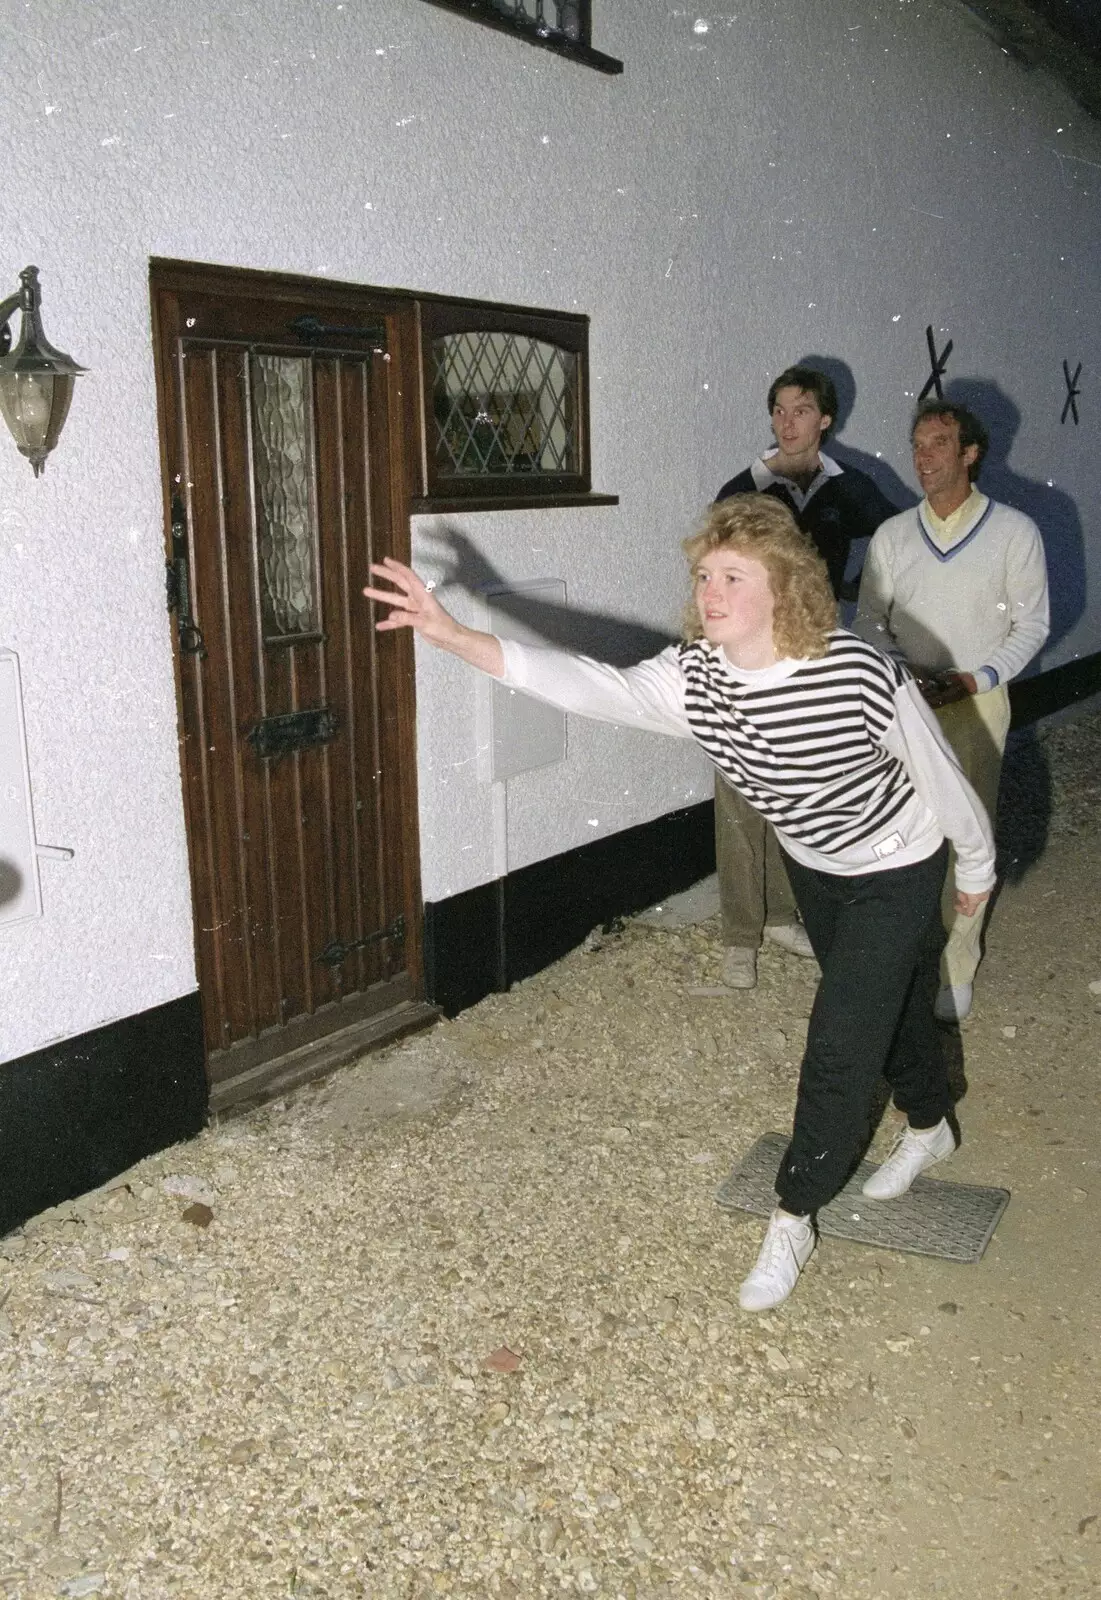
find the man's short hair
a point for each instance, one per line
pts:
(810, 381)
(972, 431)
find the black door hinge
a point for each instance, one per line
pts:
(177, 583)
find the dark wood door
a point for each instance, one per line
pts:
(284, 436)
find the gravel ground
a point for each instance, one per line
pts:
(462, 1320)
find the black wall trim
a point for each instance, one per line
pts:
(75, 1114)
(1032, 698)
(490, 937)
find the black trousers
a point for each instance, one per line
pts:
(871, 1017)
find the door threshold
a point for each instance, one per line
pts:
(234, 1095)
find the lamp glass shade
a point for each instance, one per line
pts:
(34, 406)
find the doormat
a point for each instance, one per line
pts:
(934, 1218)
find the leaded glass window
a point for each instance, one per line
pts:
(557, 16)
(563, 26)
(286, 534)
(505, 406)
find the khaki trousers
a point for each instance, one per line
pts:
(976, 728)
(753, 881)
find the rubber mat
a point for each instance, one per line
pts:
(935, 1218)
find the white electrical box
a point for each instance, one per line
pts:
(20, 894)
(516, 733)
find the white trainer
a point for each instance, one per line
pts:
(913, 1151)
(790, 936)
(739, 967)
(788, 1245)
(953, 1002)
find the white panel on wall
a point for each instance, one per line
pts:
(20, 896)
(515, 733)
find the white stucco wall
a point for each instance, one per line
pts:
(796, 179)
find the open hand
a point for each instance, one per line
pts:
(412, 603)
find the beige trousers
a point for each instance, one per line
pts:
(976, 728)
(753, 881)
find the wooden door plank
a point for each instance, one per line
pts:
(375, 913)
(258, 951)
(343, 858)
(386, 650)
(310, 691)
(219, 897)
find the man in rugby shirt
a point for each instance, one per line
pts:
(835, 506)
(958, 589)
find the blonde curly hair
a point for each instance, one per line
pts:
(761, 527)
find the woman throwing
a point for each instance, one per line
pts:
(832, 742)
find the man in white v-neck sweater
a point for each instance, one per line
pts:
(958, 589)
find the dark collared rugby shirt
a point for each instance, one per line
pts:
(806, 752)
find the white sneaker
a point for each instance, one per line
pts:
(790, 936)
(739, 967)
(911, 1153)
(953, 1002)
(787, 1248)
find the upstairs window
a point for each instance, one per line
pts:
(505, 407)
(563, 26)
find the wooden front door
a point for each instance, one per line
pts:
(284, 436)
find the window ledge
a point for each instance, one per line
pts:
(572, 49)
(434, 504)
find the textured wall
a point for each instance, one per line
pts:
(758, 186)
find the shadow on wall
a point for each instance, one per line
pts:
(11, 881)
(1053, 511)
(882, 474)
(592, 633)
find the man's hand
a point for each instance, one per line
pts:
(968, 904)
(945, 688)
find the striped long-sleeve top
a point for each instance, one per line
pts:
(841, 754)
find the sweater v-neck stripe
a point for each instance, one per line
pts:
(961, 544)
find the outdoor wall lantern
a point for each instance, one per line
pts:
(36, 381)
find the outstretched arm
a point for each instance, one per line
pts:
(414, 606)
(649, 696)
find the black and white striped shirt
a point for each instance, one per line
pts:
(808, 752)
(842, 755)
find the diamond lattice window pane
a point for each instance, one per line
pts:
(284, 510)
(556, 16)
(504, 404)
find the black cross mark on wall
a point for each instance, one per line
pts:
(938, 364)
(1071, 405)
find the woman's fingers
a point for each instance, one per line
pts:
(387, 597)
(398, 573)
(411, 601)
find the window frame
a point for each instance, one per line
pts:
(579, 50)
(442, 491)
